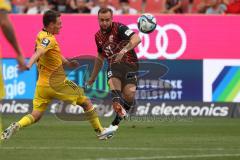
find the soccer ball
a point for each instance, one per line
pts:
(147, 23)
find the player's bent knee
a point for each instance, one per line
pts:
(129, 96)
(129, 91)
(85, 103)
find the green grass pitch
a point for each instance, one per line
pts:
(191, 139)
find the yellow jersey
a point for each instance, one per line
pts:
(5, 5)
(49, 65)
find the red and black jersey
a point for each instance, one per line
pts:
(112, 42)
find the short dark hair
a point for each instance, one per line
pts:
(50, 16)
(105, 10)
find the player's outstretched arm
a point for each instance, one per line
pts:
(64, 60)
(97, 67)
(39, 52)
(9, 33)
(133, 42)
(72, 63)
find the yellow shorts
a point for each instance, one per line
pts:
(67, 92)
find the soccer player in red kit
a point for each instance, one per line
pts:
(116, 43)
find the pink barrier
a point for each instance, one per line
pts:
(176, 37)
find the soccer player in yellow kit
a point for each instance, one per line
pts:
(9, 33)
(52, 82)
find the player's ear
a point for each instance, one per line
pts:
(50, 24)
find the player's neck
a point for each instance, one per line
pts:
(106, 31)
(49, 30)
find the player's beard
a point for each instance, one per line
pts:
(106, 30)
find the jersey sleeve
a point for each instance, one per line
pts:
(46, 43)
(124, 32)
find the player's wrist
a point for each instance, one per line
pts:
(66, 62)
(92, 79)
(28, 67)
(124, 50)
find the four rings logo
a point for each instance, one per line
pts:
(161, 42)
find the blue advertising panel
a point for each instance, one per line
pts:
(158, 80)
(18, 85)
(178, 80)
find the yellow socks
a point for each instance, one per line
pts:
(92, 117)
(26, 121)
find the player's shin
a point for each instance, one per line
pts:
(127, 106)
(117, 96)
(26, 121)
(118, 103)
(92, 117)
(117, 120)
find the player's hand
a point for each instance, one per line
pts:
(73, 64)
(119, 56)
(22, 68)
(20, 59)
(90, 82)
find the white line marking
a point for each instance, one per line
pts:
(114, 148)
(136, 149)
(173, 157)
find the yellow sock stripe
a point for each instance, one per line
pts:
(26, 121)
(31, 118)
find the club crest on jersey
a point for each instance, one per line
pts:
(111, 38)
(45, 42)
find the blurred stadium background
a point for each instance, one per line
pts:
(195, 48)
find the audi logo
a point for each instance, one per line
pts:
(161, 47)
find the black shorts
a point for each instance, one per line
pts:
(127, 73)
